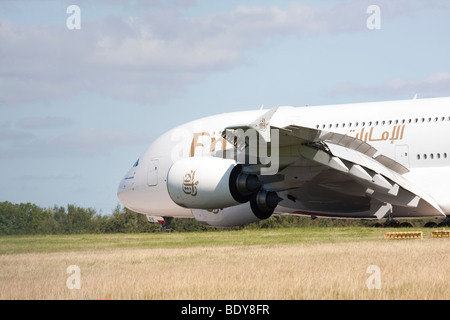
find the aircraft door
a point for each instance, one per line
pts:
(152, 174)
(402, 155)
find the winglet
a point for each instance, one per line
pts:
(262, 124)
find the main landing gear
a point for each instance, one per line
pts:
(443, 223)
(391, 223)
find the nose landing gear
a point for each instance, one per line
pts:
(163, 221)
(165, 226)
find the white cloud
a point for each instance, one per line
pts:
(44, 122)
(14, 136)
(154, 56)
(438, 77)
(82, 142)
(93, 141)
(437, 83)
(50, 177)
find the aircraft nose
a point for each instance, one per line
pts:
(125, 188)
(123, 192)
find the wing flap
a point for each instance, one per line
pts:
(313, 135)
(382, 183)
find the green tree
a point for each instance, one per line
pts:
(79, 219)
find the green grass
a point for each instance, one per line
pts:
(94, 242)
(278, 263)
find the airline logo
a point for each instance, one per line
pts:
(204, 139)
(190, 184)
(263, 124)
(369, 136)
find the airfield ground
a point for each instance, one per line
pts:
(290, 263)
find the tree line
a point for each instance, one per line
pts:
(28, 218)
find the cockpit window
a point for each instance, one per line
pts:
(136, 163)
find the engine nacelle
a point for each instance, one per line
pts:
(239, 215)
(264, 203)
(260, 207)
(210, 183)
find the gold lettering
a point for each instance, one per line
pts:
(397, 134)
(195, 142)
(190, 184)
(214, 143)
(401, 135)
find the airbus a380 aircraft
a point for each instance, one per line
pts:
(364, 160)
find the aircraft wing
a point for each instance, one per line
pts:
(330, 174)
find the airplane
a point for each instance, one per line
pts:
(375, 160)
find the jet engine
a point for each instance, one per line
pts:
(238, 215)
(210, 183)
(219, 192)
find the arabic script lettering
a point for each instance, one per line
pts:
(396, 134)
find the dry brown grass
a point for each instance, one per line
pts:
(410, 269)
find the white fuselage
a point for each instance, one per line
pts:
(411, 132)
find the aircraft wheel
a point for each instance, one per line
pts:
(406, 225)
(430, 225)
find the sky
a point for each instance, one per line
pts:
(83, 93)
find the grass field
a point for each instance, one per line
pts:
(291, 263)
